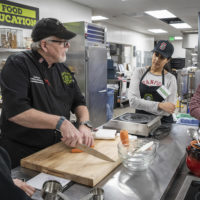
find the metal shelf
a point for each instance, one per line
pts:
(10, 50)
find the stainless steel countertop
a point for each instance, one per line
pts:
(151, 184)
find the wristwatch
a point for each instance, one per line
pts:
(59, 123)
(86, 123)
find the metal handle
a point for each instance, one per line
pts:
(102, 91)
(151, 123)
(87, 197)
(63, 196)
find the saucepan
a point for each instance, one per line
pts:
(52, 190)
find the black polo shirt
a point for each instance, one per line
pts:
(26, 83)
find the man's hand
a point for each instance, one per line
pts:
(24, 186)
(87, 135)
(167, 107)
(71, 135)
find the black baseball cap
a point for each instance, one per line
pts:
(50, 27)
(165, 48)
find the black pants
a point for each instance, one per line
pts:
(16, 150)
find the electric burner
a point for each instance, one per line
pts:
(135, 123)
(136, 118)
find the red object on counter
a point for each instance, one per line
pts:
(193, 158)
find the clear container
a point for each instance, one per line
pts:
(27, 42)
(5, 38)
(13, 42)
(20, 41)
(136, 160)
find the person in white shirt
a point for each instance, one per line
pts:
(145, 92)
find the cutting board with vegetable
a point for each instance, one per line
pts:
(79, 167)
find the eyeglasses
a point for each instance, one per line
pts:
(65, 43)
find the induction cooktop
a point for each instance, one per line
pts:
(136, 118)
(135, 123)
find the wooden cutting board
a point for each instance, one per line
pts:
(79, 167)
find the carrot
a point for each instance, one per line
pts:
(76, 150)
(124, 137)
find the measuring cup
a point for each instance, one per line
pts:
(52, 190)
(94, 194)
(97, 194)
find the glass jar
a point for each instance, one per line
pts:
(20, 43)
(5, 38)
(13, 41)
(27, 42)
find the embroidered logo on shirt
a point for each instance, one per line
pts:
(163, 46)
(47, 82)
(67, 78)
(36, 79)
(148, 97)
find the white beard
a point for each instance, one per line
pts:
(62, 59)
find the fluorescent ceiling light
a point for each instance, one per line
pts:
(157, 30)
(181, 25)
(160, 14)
(98, 18)
(178, 37)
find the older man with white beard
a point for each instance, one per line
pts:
(39, 91)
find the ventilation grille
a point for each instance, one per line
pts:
(95, 34)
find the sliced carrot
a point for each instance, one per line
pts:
(76, 150)
(124, 137)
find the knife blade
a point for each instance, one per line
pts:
(93, 152)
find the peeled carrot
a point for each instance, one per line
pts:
(124, 137)
(76, 150)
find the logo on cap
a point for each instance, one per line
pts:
(163, 46)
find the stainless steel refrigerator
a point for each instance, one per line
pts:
(87, 58)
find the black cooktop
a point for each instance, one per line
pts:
(136, 118)
(193, 192)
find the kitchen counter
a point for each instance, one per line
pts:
(152, 184)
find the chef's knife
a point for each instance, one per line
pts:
(93, 152)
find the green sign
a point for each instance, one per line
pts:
(171, 38)
(18, 15)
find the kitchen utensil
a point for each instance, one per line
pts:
(94, 152)
(98, 194)
(145, 147)
(198, 134)
(87, 197)
(192, 133)
(135, 123)
(193, 158)
(52, 190)
(139, 154)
